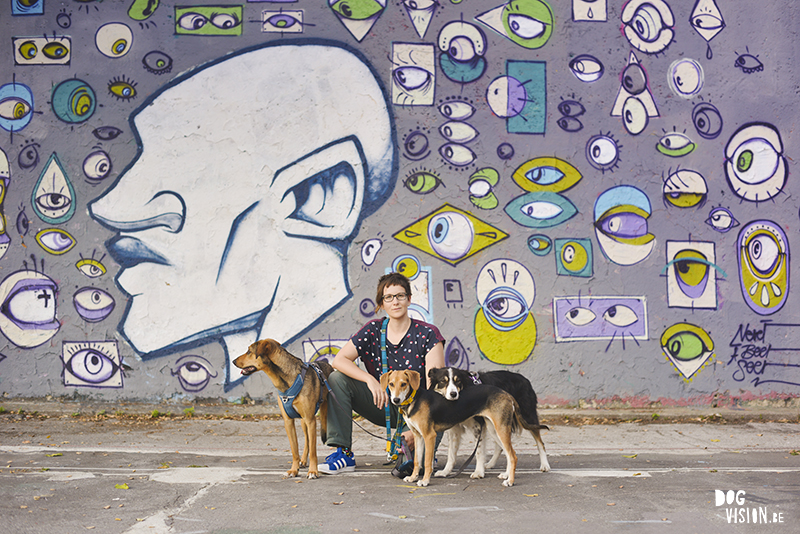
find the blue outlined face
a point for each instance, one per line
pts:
(174, 221)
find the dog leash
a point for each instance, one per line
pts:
(392, 443)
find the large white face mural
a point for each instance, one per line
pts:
(250, 181)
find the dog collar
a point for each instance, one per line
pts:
(408, 401)
(475, 378)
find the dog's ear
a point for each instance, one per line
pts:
(413, 379)
(385, 380)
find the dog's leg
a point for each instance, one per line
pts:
(453, 441)
(481, 432)
(430, 445)
(498, 449)
(323, 421)
(288, 424)
(544, 465)
(504, 434)
(418, 451)
(310, 430)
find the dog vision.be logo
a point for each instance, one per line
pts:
(737, 512)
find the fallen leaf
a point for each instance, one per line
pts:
(630, 455)
(294, 506)
(23, 506)
(117, 519)
(403, 516)
(106, 507)
(621, 487)
(342, 493)
(338, 502)
(89, 528)
(122, 486)
(611, 504)
(531, 494)
(54, 455)
(714, 440)
(636, 474)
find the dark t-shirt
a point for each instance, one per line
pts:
(409, 354)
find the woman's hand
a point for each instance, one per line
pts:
(379, 395)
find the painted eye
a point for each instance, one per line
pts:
(570, 124)
(691, 272)
(580, 316)
(504, 305)
(416, 146)
(458, 132)
(422, 182)
(122, 89)
(52, 197)
(749, 63)
(14, 108)
(707, 120)
(23, 223)
(91, 366)
(193, 373)
(634, 116)
(282, 21)
(55, 50)
(505, 151)
(707, 21)
(675, 145)
(620, 315)
(64, 20)
(542, 209)
(647, 25)
(451, 235)
(540, 244)
(571, 108)
(411, 78)
(225, 21)
(106, 133)
(764, 252)
(574, 257)
(526, 27)
(97, 165)
(91, 267)
(461, 49)
(685, 189)
(620, 216)
(685, 346)
(406, 265)
(457, 155)
(357, 9)
(586, 68)
(53, 202)
(686, 78)
(457, 110)
(114, 40)
(92, 304)
(546, 174)
(602, 152)
(721, 220)
(192, 21)
(755, 167)
(157, 62)
(55, 241)
(481, 188)
(29, 156)
(634, 79)
(28, 50)
(369, 251)
(73, 101)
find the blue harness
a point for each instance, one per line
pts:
(287, 397)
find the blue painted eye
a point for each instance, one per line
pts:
(541, 209)
(540, 244)
(544, 175)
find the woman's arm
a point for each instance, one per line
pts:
(433, 360)
(345, 362)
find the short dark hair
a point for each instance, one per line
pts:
(391, 279)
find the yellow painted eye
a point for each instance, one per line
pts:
(574, 256)
(55, 241)
(91, 267)
(122, 89)
(14, 108)
(81, 102)
(55, 50)
(690, 271)
(28, 50)
(546, 174)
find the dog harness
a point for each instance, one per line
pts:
(476, 378)
(287, 397)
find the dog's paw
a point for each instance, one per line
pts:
(410, 478)
(290, 474)
(312, 475)
(507, 483)
(423, 483)
(441, 473)
(477, 474)
(545, 468)
(503, 475)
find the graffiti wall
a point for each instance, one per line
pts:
(596, 194)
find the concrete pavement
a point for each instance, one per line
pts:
(132, 475)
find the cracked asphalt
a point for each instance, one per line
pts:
(122, 475)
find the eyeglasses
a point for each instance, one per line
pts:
(401, 297)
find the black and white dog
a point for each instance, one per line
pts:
(450, 381)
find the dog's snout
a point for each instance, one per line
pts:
(396, 400)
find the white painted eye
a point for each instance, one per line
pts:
(685, 78)
(450, 235)
(526, 27)
(620, 315)
(369, 251)
(634, 116)
(457, 155)
(580, 316)
(458, 132)
(457, 110)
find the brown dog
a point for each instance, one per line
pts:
(426, 413)
(283, 369)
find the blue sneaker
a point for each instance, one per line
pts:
(338, 462)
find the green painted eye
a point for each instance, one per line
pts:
(529, 23)
(422, 182)
(142, 9)
(684, 341)
(28, 50)
(55, 50)
(675, 145)
(357, 9)
(744, 161)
